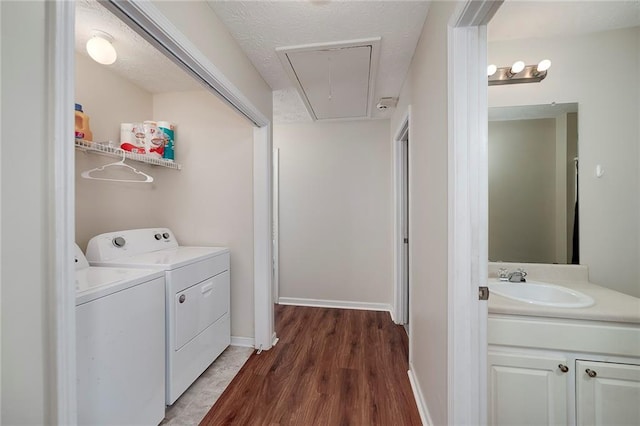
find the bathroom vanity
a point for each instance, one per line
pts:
(564, 366)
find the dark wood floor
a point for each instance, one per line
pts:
(330, 367)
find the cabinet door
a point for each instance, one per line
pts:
(607, 394)
(527, 389)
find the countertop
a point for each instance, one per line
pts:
(609, 305)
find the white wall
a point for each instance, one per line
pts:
(335, 211)
(209, 202)
(522, 191)
(106, 206)
(197, 21)
(609, 108)
(426, 91)
(25, 228)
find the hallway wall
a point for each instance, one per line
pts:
(335, 211)
(426, 90)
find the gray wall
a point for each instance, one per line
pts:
(522, 190)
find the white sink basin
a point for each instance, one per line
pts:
(538, 293)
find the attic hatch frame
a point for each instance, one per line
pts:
(144, 18)
(373, 43)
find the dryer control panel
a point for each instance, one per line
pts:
(119, 244)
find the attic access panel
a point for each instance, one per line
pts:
(335, 81)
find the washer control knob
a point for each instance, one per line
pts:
(158, 236)
(119, 242)
(166, 235)
(182, 298)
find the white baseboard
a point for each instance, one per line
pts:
(248, 342)
(245, 342)
(318, 303)
(393, 316)
(425, 417)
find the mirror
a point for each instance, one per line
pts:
(533, 182)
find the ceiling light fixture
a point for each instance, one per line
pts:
(518, 73)
(100, 49)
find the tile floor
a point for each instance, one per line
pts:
(194, 404)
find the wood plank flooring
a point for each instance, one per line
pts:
(330, 367)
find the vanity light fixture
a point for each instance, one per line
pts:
(518, 73)
(101, 49)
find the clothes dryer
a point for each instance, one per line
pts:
(197, 295)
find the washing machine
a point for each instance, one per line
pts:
(197, 283)
(120, 341)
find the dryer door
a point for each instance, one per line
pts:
(199, 306)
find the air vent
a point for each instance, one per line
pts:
(335, 80)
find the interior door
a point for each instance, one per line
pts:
(405, 227)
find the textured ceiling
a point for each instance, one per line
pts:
(262, 26)
(137, 61)
(529, 19)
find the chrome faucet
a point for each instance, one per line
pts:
(517, 276)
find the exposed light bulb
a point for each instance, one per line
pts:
(517, 67)
(100, 49)
(491, 70)
(543, 65)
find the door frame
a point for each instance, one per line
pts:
(61, 301)
(150, 23)
(468, 211)
(400, 293)
(276, 224)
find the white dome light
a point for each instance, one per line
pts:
(491, 70)
(100, 49)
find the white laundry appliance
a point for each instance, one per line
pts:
(197, 296)
(120, 340)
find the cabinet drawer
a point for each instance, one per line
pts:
(565, 335)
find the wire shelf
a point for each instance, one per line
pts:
(104, 148)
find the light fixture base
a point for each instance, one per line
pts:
(101, 34)
(529, 74)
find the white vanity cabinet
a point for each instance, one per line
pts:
(551, 371)
(607, 393)
(527, 389)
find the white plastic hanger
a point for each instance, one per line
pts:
(121, 163)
